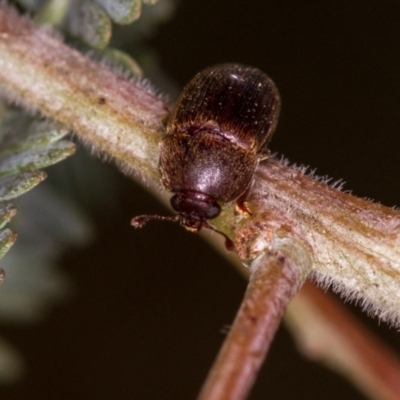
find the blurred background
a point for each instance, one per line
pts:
(147, 310)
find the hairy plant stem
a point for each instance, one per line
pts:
(355, 243)
(120, 118)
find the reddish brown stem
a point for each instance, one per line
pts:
(325, 331)
(273, 282)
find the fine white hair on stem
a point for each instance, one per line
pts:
(354, 243)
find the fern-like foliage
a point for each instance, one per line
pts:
(25, 148)
(88, 20)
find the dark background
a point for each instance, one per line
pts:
(150, 306)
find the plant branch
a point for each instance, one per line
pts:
(275, 277)
(354, 243)
(120, 118)
(326, 332)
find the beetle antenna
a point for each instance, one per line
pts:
(229, 245)
(141, 220)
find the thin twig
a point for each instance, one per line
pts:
(326, 332)
(274, 279)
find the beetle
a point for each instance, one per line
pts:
(216, 135)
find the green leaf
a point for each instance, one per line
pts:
(7, 211)
(52, 12)
(14, 186)
(88, 20)
(122, 61)
(7, 239)
(122, 11)
(35, 159)
(36, 136)
(91, 24)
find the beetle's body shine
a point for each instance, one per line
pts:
(215, 137)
